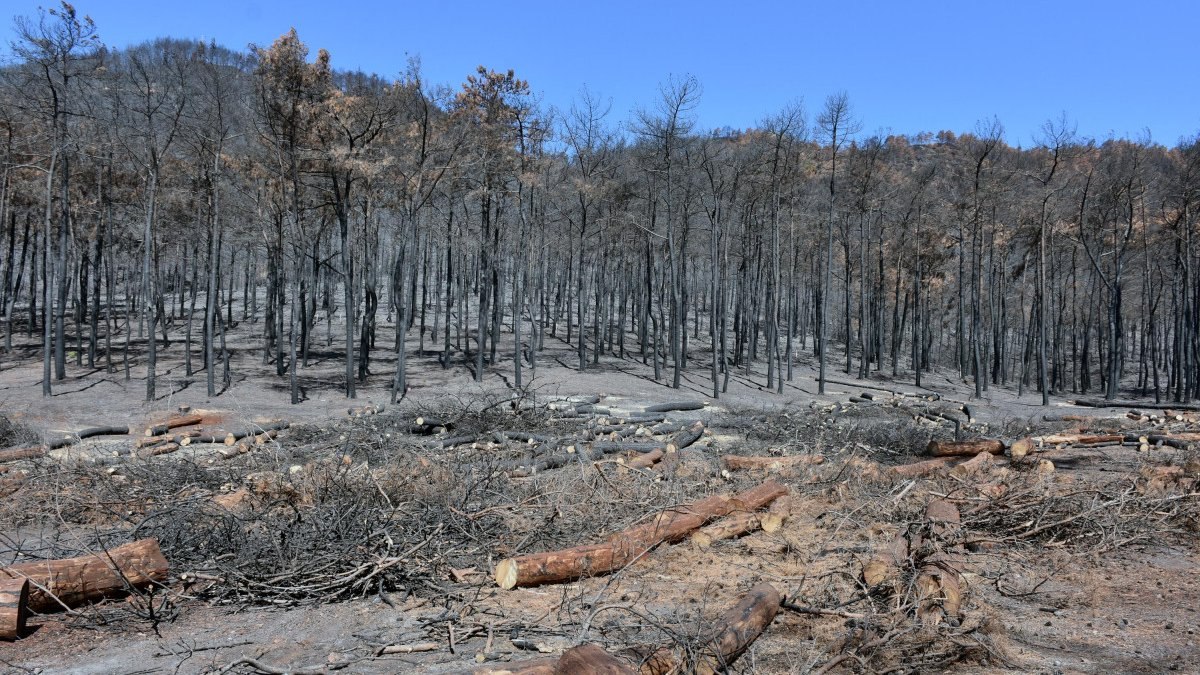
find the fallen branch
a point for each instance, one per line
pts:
(624, 547)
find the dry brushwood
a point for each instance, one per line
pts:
(729, 637)
(630, 544)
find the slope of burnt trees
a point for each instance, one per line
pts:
(154, 198)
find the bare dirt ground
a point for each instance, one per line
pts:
(314, 551)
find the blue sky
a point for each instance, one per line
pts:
(1115, 68)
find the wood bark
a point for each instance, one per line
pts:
(627, 546)
(593, 660)
(174, 422)
(964, 448)
(76, 581)
(681, 406)
(14, 607)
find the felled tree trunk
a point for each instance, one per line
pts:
(14, 454)
(674, 406)
(183, 421)
(76, 581)
(964, 448)
(593, 660)
(626, 546)
(14, 607)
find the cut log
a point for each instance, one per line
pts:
(980, 463)
(686, 438)
(742, 462)
(364, 410)
(777, 515)
(675, 405)
(182, 421)
(1020, 448)
(733, 525)
(593, 660)
(731, 635)
(636, 418)
(76, 581)
(1080, 439)
(964, 448)
(15, 454)
(14, 607)
(433, 422)
(148, 441)
(626, 546)
(645, 460)
(1096, 403)
(266, 437)
(156, 450)
(239, 447)
(1178, 441)
(590, 409)
(254, 430)
(919, 469)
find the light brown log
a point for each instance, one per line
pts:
(624, 547)
(733, 525)
(266, 437)
(176, 437)
(76, 581)
(1079, 439)
(922, 468)
(979, 463)
(239, 447)
(645, 460)
(593, 660)
(14, 607)
(15, 454)
(156, 450)
(1021, 448)
(205, 437)
(235, 436)
(183, 421)
(964, 448)
(732, 634)
(777, 515)
(737, 462)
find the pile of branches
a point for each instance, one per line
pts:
(1094, 518)
(15, 434)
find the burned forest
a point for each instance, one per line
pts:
(307, 369)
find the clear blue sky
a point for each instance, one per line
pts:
(1115, 68)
